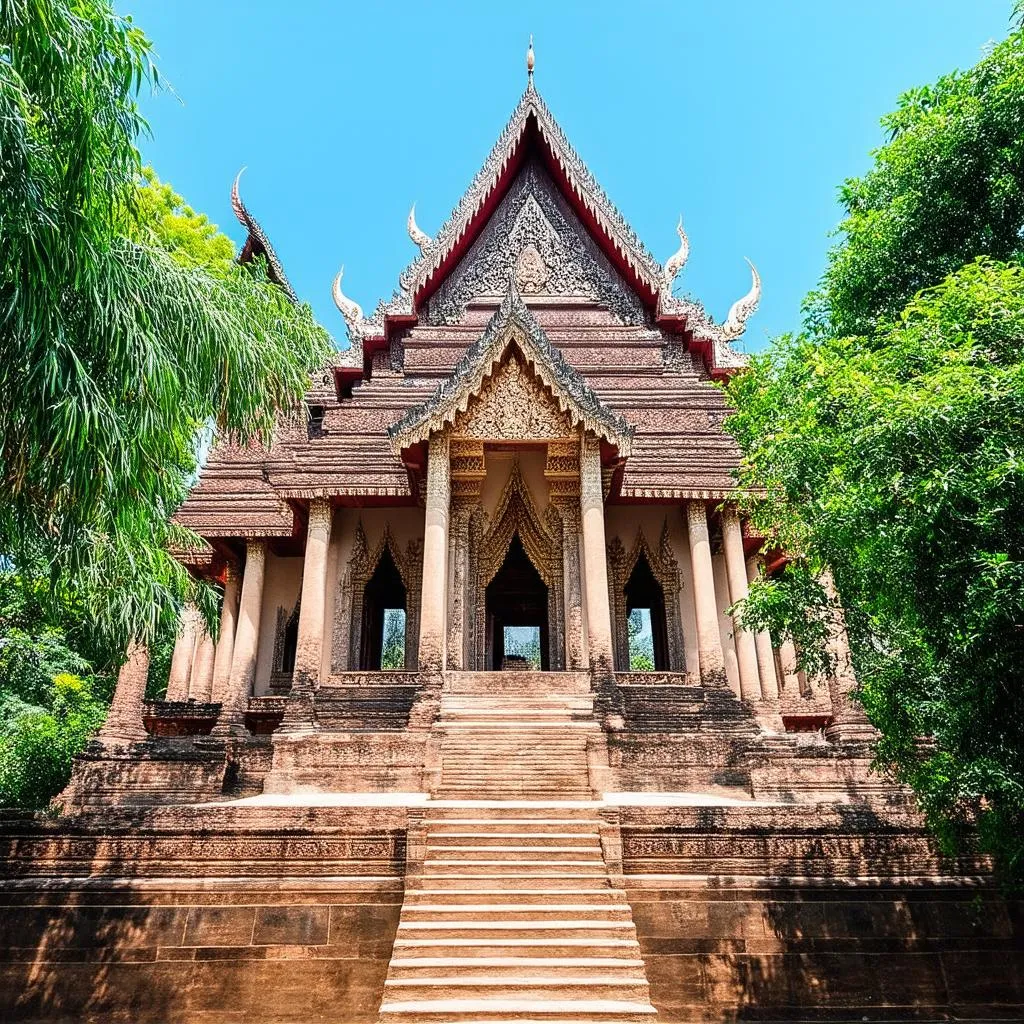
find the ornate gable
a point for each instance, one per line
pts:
(513, 379)
(537, 239)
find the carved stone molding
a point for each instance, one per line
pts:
(348, 620)
(666, 571)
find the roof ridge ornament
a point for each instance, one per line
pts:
(675, 263)
(421, 239)
(743, 309)
(531, 60)
(349, 309)
(258, 242)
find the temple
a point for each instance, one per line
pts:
(477, 738)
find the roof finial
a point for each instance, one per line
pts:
(530, 61)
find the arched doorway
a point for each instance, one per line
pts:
(645, 613)
(384, 605)
(517, 613)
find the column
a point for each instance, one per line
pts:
(226, 639)
(709, 639)
(309, 648)
(247, 634)
(849, 721)
(184, 649)
(200, 684)
(462, 509)
(763, 643)
(595, 566)
(124, 720)
(790, 680)
(570, 512)
(435, 556)
(736, 568)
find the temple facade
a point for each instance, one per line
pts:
(527, 437)
(477, 738)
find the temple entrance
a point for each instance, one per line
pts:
(384, 604)
(517, 613)
(645, 610)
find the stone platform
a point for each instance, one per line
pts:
(543, 869)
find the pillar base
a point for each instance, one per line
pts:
(852, 732)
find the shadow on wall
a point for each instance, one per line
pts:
(833, 931)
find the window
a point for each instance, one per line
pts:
(392, 651)
(522, 647)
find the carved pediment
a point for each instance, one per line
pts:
(519, 386)
(513, 405)
(534, 237)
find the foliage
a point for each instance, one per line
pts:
(38, 744)
(523, 642)
(124, 326)
(886, 443)
(641, 643)
(948, 186)
(393, 652)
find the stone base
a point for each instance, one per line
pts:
(156, 771)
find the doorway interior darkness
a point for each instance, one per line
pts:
(517, 596)
(385, 590)
(643, 591)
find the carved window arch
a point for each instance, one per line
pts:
(363, 563)
(665, 569)
(516, 516)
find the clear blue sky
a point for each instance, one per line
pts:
(744, 116)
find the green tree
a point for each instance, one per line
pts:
(125, 328)
(886, 442)
(393, 653)
(641, 644)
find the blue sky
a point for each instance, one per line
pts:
(744, 116)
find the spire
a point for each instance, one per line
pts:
(530, 61)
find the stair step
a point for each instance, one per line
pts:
(513, 966)
(511, 911)
(509, 897)
(521, 1011)
(589, 946)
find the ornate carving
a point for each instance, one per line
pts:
(348, 621)
(350, 310)
(281, 680)
(516, 515)
(666, 571)
(534, 237)
(512, 325)
(743, 309)
(421, 239)
(677, 260)
(531, 270)
(513, 405)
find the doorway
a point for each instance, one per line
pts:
(517, 613)
(647, 624)
(384, 602)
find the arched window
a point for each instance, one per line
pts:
(382, 639)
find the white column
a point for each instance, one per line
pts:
(184, 649)
(709, 639)
(736, 568)
(247, 635)
(435, 557)
(763, 643)
(595, 565)
(309, 646)
(226, 639)
(200, 684)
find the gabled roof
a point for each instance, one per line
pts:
(512, 323)
(532, 125)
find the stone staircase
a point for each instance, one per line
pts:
(511, 912)
(516, 735)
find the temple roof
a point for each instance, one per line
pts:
(512, 323)
(532, 127)
(257, 243)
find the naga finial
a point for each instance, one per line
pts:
(349, 309)
(421, 238)
(530, 61)
(236, 201)
(743, 309)
(677, 260)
